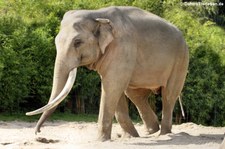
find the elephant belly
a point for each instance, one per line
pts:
(152, 72)
(148, 81)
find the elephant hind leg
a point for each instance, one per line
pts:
(169, 97)
(140, 98)
(122, 116)
(168, 103)
(170, 94)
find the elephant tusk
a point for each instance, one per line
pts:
(68, 86)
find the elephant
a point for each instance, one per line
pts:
(135, 53)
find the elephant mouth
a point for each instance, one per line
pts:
(65, 91)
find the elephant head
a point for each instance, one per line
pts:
(80, 42)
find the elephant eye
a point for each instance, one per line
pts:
(77, 43)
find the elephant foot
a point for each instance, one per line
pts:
(151, 131)
(165, 128)
(103, 138)
(165, 131)
(128, 135)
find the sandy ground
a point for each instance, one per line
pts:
(80, 135)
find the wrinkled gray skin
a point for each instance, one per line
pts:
(135, 52)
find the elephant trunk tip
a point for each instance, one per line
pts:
(37, 130)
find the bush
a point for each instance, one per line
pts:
(14, 67)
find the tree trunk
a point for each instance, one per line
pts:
(80, 108)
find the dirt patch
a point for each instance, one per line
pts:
(44, 140)
(76, 135)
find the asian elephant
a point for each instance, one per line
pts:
(135, 52)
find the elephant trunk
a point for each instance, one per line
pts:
(62, 83)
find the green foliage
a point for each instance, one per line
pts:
(87, 89)
(27, 53)
(27, 50)
(14, 78)
(154, 6)
(208, 12)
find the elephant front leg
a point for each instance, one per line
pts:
(115, 74)
(122, 116)
(106, 114)
(104, 126)
(112, 89)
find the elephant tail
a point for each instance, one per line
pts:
(181, 106)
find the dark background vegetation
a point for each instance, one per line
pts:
(27, 53)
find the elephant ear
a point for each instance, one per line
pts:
(104, 33)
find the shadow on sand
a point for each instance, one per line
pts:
(182, 138)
